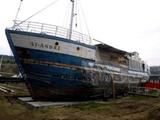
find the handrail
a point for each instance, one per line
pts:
(49, 29)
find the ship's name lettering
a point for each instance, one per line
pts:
(45, 45)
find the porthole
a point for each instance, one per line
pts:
(78, 48)
(56, 43)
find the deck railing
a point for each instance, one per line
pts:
(49, 29)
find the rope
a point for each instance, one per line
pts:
(37, 13)
(66, 16)
(18, 10)
(85, 21)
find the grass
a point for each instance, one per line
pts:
(127, 108)
(19, 88)
(8, 69)
(113, 110)
(154, 113)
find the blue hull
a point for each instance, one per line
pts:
(64, 90)
(54, 76)
(57, 80)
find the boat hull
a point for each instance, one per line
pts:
(50, 72)
(55, 90)
(55, 68)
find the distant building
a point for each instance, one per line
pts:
(7, 59)
(155, 72)
(8, 67)
(154, 80)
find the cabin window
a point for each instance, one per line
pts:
(143, 67)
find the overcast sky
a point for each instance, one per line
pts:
(130, 25)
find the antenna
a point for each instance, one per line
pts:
(71, 23)
(18, 11)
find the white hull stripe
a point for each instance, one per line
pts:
(51, 45)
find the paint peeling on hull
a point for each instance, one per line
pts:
(55, 67)
(51, 92)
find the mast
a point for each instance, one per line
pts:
(71, 22)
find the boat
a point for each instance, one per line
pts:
(61, 64)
